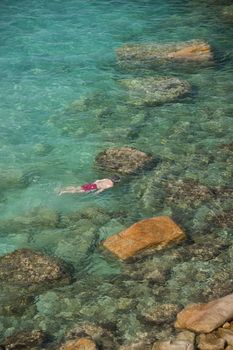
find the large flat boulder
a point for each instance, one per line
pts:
(204, 318)
(155, 90)
(157, 232)
(123, 160)
(190, 51)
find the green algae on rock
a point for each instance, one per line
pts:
(23, 340)
(191, 51)
(155, 90)
(124, 160)
(25, 266)
(227, 13)
(38, 218)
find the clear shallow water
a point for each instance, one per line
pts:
(54, 55)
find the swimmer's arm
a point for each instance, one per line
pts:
(101, 190)
(70, 189)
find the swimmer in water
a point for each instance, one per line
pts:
(98, 186)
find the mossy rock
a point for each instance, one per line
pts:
(124, 160)
(27, 267)
(194, 51)
(155, 90)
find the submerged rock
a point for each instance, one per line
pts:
(164, 313)
(155, 90)
(102, 337)
(23, 340)
(79, 344)
(38, 218)
(227, 13)
(157, 232)
(206, 317)
(210, 342)
(26, 267)
(188, 191)
(191, 51)
(173, 345)
(136, 346)
(123, 160)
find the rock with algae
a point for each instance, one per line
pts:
(23, 340)
(38, 218)
(155, 90)
(190, 51)
(123, 160)
(27, 267)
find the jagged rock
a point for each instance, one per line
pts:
(155, 90)
(79, 344)
(27, 267)
(123, 160)
(210, 342)
(190, 51)
(226, 334)
(173, 345)
(157, 232)
(23, 340)
(206, 317)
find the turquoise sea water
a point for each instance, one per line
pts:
(61, 104)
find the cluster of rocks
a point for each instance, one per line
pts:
(207, 326)
(198, 326)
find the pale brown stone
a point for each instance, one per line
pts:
(226, 334)
(186, 336)
(173, 345)
(195, 52)
(204, 318)
(229, 347)
(79, 344)
(210, 342)
(155, 232)
(190, 51)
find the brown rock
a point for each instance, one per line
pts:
(206, 317)
(173, 345)
(123, 160)
(226, 334)
(210, 342)
(190, 51)
(155, 232)
(193, 52)
(79, 344)
(186, 336)
(229, 347)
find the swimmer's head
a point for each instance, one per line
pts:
(115, 179)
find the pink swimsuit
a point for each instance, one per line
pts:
(89, 187)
